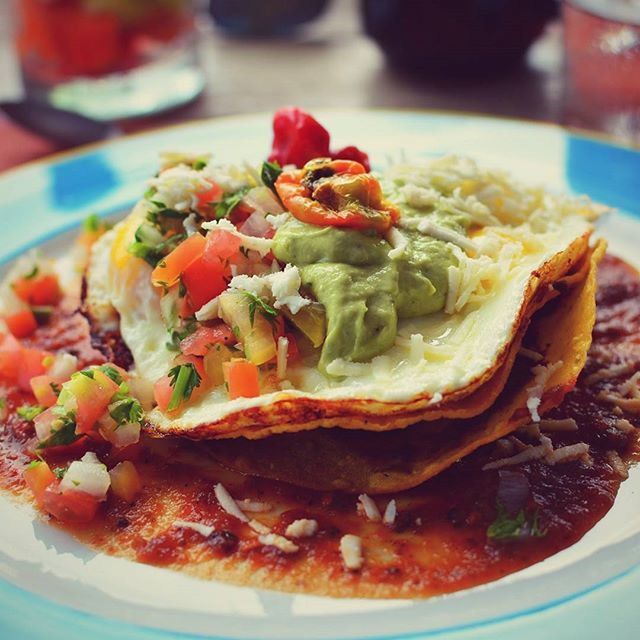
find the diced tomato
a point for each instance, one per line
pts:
(199, 342)
(69, 506)
(31, 365)
(242, 379)
(22, 324)
(10, 350)
(43, 391)
(38, 291)
(221, 245)
(196, 361)
(162, 391)
(38, 476)
(185, 308)
(208, 198)
(204, 280)
(172, 266)
(125, 481)
(92, 397)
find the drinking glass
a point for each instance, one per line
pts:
(602, 66)
(108, 59)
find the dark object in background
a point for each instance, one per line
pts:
(66, 128)
(264, 17)
(456, 37)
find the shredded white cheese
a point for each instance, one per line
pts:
(302, 528)
(398, 242)
(447, 235)
(258, 527)
(281, 357)
(617, 464)
(279, 542)
(284, 286)
(390, 513)
(369, 508)
(609, 372)
(542, 375)
(566, 424)
(530, 453)
(253, 506)
(341, 367)
(531, 354)
(351, 551)
(277, 220)
(203, 529)
(567, 454)
(228, 503)
(624, 426)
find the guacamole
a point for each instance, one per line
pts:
(363, 290)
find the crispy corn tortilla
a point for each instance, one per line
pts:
(361, 461)
(290, 411)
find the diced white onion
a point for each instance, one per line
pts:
(88, 475)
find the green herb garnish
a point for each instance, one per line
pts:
(29, 411)
(229, 203)
(269, 173)
(256, 303)
(184, 379)
(506, 527)
(64, 434)
(33, 273)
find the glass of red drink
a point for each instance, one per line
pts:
(602, 58)
(108, 59)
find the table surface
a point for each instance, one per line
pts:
(331, 63)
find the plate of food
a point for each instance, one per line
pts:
(378, 377)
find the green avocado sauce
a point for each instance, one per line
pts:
(363, 290)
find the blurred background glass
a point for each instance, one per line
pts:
(602, 63)
(108, 59)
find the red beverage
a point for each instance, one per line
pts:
(602, 48)
(74, 42)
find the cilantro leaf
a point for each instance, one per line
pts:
(269, 173)
(29, 412)
(184, 379)
(256, 303)
(229, 203)
(506, 527)
(64, 435)
(126, 409)
(177, 335)
(199, 164)
(33, 273)
(112, 373)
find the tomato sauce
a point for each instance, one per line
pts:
(438, 542)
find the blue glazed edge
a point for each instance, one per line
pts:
(588, 169)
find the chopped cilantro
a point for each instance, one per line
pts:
(59, 472)
(229, 203)
(184, 379)
(91, 223)
(270, 172)
(112, 373)
(86, 372)
(55, 387)
(256, 303)
(33, 273)
(506, 527)
(29, 411)
(177, 335)
(200, 164)
(149, 193)
(64, 434)
(125, 409)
